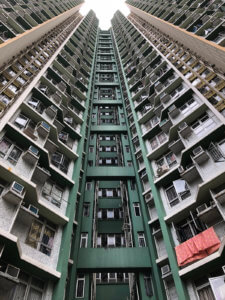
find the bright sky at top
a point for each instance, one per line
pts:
(104, 10)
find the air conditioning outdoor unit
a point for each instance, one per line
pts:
(12, 271)
(161, 170)
(165, 270)
(197, 150)
(148, 197)
(183, 125)
(33, 150)
(33, 209)
(16, 187)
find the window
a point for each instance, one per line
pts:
(86, 209)
(114, 213)
(41, 236)
(204, 289)
(60, 161)
(90, 163)
(137, 210)
(188, 106)
(217, 151)
(148, 285)
(203, 125)
(189, 227)
(111, 240)
(168, 160)
(9, 151)
(110, 214)
(133, 185)
(83, 240)
(28, 287)
(177, 192)
(108, 193)
(127, 149)
(129, 163)
(88, 185)
(157, 140)
(52, 193)
(21, 121)
(91, 149)
(154, 120)
(141, 239)
(80, 286)
(112, 278)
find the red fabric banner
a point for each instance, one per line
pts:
(198, 247)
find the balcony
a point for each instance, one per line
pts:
(173, 111)
(51, 111)
(43, 129)
(200, 156)
(184, 130)
(164, 97)
(40, 175)
(189, 174)
(31, 155)
(220, 197)
(14, 194)
(208, 214)
(176, 146)
(204, 243)
(165, 125)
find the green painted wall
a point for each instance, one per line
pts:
(113, 292)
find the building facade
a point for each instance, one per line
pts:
(112, 152)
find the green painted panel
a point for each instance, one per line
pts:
(111, 172)
(126, 259)
(113, 292)
(110, 226)
(109, 203)
(109, 128)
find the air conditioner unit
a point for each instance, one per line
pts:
(171, 108)
(183, 125)
(12, 271)
(201, 208)
(161, 170)
(197, 150)
(148, 197)
(16, 187)
(165, 270)
(180, 169)
(33, 150)
(33, 209)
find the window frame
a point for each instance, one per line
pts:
(77, 285)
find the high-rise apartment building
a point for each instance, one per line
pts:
(112, 152)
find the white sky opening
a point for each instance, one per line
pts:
(104, 10)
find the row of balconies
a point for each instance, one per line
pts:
(22, 70)
(17, 19)
(204, 79)
(206, 22)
